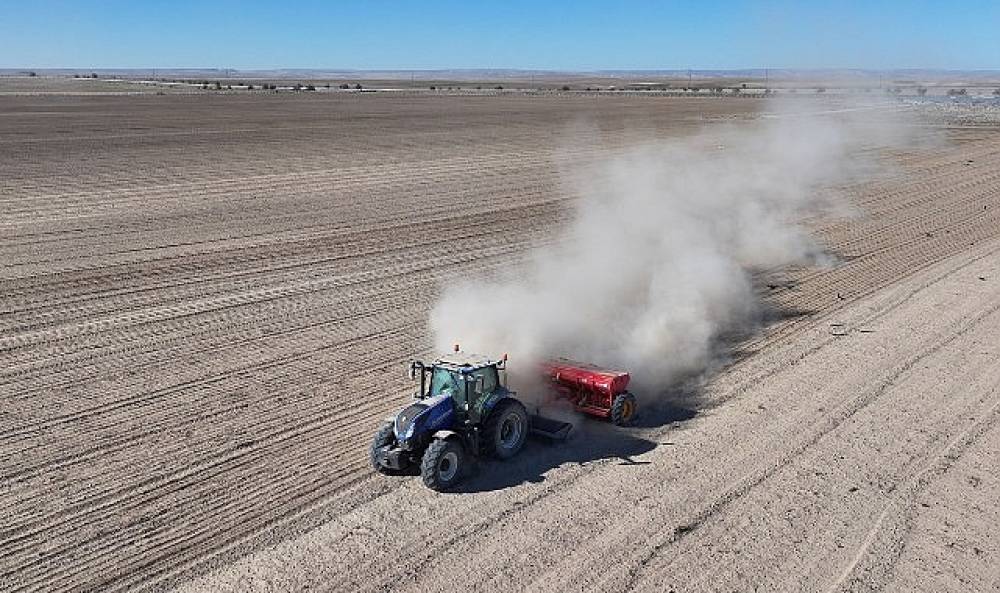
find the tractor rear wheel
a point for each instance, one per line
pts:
(506, 429)
(623, 409)
(443, 464)
(383, 438)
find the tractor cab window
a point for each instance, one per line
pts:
(445, 381)
(489, 380)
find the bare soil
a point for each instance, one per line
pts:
(207, 303)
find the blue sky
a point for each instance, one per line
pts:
(569, 35)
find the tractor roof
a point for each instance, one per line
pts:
(465, 359)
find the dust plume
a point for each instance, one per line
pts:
(656, 264)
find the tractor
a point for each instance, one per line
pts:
(463, 409)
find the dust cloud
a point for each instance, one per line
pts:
(657, 261)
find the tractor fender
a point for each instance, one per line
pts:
(493, 403)
(445, 434)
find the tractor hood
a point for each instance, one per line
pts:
(419, 418)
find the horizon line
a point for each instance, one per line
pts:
(761, 69)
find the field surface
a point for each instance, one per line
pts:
(207, 303)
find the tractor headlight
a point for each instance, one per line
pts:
(408, 432)
(406, 427)
(405, 438)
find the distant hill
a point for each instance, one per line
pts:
(776, 74)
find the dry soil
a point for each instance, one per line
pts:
(207, 303)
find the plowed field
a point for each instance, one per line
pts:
(207, 303)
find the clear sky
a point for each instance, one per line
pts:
(540, 34)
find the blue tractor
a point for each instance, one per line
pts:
(463, 409)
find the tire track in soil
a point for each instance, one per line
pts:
(868, 562)
(830, 423)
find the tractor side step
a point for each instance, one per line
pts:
(549, 428)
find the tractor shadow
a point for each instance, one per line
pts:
(591, 441)
(586, 445)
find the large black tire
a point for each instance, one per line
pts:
(623, 409)
(506, 429)
(443, 464)
(385, 436)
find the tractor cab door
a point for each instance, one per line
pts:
(483, 384)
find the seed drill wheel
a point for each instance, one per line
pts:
(384, 437)
(506, 429)
(443, 464)
(623, 409)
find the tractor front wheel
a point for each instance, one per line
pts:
(506, 429)
(443, 464)
(623, 409)
(383, 438)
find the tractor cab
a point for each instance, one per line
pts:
(474, 383)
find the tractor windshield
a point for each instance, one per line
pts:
(445, 381)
